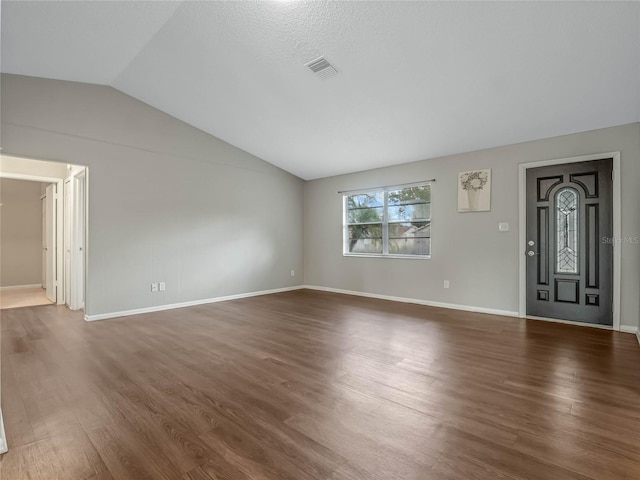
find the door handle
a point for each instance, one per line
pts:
(531, 253)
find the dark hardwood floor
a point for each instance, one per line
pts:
(309, 385)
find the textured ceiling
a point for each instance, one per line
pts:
(417, 79)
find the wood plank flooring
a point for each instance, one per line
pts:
(312, 385)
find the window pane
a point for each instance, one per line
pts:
(364, 215)
(365, 200)
(410, 211)
(410, 230)
(365, 231)
(410, 195)
(365, 238)
(365, 207)
(410, 246)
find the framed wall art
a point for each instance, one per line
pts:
(474, 191)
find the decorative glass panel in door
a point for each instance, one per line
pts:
(567, 231)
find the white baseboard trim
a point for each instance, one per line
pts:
(628, 329)
(3, 438)
(453, 306)
(20, 287)
(193, 303)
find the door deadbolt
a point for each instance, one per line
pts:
(531, 243)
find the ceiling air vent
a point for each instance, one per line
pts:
(322, 68)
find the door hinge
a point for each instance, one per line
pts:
(613, 174)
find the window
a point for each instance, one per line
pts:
(390, 221)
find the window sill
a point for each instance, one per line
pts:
(374, 255)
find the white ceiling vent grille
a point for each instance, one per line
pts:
(322, 68)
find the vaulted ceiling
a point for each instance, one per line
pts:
(416, 79)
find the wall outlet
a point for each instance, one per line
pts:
(446, 284)
(154, 287)
(293, 273)
(162, 286)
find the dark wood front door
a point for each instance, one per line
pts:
(569, 242)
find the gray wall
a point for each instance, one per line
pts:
(171, 203)
(20, 233)
(167, 202)
(480, 262)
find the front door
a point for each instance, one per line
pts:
(569, 242)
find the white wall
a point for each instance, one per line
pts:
(467, 249)
(20, 233)
(167, 202)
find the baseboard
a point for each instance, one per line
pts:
(628, 329)
(193, 303)
(3, 438)
(453, 306)
(20, 287)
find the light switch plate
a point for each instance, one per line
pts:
(503, 226)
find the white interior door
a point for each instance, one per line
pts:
(50, 242)
(78, 213)
(67, 241)
(43, 200)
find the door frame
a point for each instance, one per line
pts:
(617, 232)
(59, 183)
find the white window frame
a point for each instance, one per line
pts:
(385, 222)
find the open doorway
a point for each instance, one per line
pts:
(27, 240)
(42, 233)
